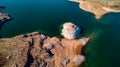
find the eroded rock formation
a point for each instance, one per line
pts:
(70, 30)
(38, 50)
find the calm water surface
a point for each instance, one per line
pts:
(46, 16)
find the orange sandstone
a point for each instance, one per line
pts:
(38, 50)
(97, 9)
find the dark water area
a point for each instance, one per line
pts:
(47, 16)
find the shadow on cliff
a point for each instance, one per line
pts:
(3, 60)
(30, 58)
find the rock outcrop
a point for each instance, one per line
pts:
(70, 31)
(4, 17)
(97, 8)
(38, 50)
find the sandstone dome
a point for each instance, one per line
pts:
(70, 30)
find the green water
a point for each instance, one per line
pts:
(46, 16)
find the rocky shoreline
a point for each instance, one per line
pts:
(99, 10)
(38, 50)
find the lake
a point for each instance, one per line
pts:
(47, 16)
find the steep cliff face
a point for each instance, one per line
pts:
(38, 50)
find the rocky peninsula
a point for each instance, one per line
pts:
(99, 7)
(38, 50)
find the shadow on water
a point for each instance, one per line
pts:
(2, 23)
(2, 7)
(30, 58)
(4, 20)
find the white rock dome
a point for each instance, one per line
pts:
(70, 31)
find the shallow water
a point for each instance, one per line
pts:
(47, 16)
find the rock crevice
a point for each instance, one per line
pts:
(38, 50)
